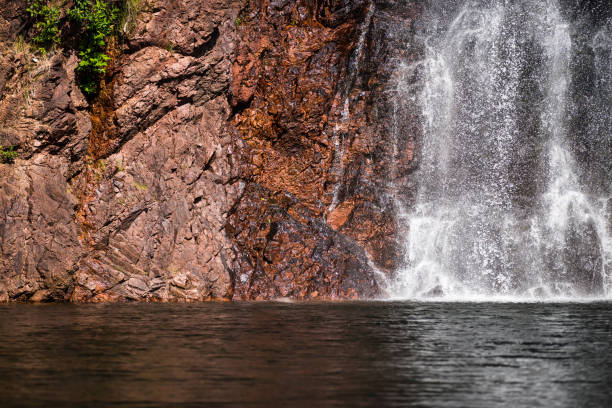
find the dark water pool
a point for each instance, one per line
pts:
(307, 355)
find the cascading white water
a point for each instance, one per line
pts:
(502, 206)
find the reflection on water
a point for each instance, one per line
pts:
(307, 354)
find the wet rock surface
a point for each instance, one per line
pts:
(312, 92)
(234, 152)
(285, 251)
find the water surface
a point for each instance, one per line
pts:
(372, 354)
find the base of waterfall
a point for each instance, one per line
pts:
(500, 299)
(456, 293)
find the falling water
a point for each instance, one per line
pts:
(345, 114)
(504, 207)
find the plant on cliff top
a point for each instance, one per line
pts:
(47, 18)
(99, 20)
(96, 20)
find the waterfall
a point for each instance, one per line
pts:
(504, 206)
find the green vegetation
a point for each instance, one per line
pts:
(47, 16)
(101, 164)
(8, 155)
(241, 19)
(20, 45)
(140, 186)
(99, 20)
(96, 21)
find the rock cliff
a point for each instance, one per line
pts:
(237, 150)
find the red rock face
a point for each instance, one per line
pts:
(238, 150)
(42, 112)
(306, 80)
(288, 67)
(155, 218)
